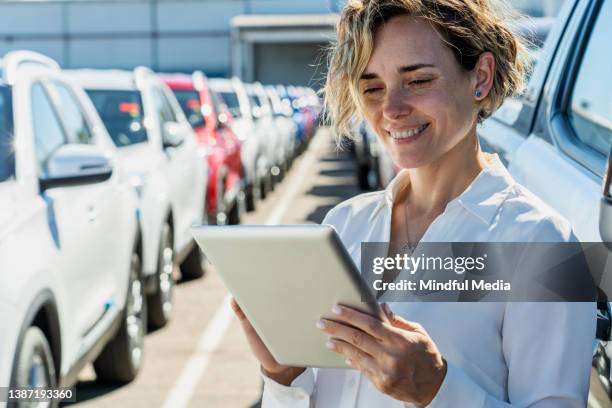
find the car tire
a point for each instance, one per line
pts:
(160, 302)
(263, 188)
(234, 215)
(272, 181)
(250, 198)
(602, 367)
(121, 359)
(238, 208)
(192, 266)
(34, 359)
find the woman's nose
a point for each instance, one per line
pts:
(395, 105)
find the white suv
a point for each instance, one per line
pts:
(71, 290)
(255, 162)
(158, 147)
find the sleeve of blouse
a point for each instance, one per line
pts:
(297, 395)
(548, 348)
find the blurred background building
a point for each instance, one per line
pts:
(267, 40)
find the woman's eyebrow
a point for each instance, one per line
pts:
(407, 68)
(367, 76)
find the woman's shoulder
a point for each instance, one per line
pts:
(531, 219)
(362, 205)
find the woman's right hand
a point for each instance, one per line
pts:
(270, 367)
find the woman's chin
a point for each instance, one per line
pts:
(412, 160)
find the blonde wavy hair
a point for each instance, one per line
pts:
(468, 27)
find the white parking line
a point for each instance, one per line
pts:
(593, 403)
(183, 388)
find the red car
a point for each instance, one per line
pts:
(225, 198)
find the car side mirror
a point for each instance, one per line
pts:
(76, 164)
(173, 134)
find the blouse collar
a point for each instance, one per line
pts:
(482, 198)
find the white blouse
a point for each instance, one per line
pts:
(498, 354)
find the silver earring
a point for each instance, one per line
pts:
(477, 93)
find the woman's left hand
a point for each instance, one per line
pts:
(398, 356)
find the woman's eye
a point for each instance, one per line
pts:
(419, 81)
(371, 90)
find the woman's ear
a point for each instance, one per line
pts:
(484, 72)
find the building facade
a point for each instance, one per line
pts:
(272, 41)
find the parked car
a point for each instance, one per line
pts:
(556, 138)
(272, 138)
(71, 286)
(255, 162)
(308, 106)
(364, 146)
(283, 117)
(202, 108)
(158, 147)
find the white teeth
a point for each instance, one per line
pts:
(408, 133)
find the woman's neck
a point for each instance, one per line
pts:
(433, 186)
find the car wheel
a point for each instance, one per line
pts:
(250, 198)
(34, 367)
(602, 366)
(121, 359)
(263, 187)
(193, 265)
(272, 177)
(238, 209)
(160, 302)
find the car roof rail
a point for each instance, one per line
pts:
(140, 73)
(15, 59)
(199, 80)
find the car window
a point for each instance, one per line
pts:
(254, 100)
(191, 106)
(7, 156)
(231, 101)
(48, 132)
(75, 124)
(591, 103)
(122, 114)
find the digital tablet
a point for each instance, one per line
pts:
(285, 278)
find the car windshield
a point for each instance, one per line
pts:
(7, 158)
(254, 100)
(121, 112)
(191, 105)
(231, 101)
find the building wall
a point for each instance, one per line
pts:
(167, 35)
(298, 64)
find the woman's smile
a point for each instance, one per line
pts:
(407, 135)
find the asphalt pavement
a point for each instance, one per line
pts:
(201, 358)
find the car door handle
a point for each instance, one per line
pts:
(92, 213)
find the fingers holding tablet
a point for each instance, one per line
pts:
(270, 367)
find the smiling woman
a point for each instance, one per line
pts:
(423, 74)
